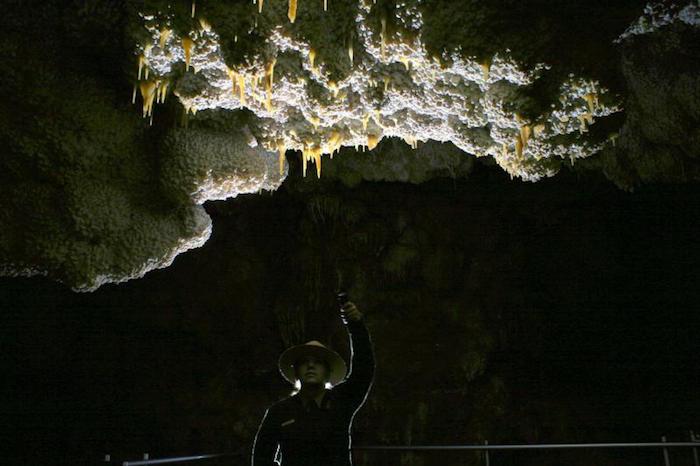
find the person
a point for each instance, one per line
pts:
(312, 427)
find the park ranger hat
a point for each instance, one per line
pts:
(312, 348)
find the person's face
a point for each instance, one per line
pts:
(311, 370)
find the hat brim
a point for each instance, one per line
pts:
(335, 362)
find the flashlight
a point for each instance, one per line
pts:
(342, 297)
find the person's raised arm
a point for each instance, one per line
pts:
(266, 442)
(361, 372)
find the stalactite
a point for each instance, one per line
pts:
(148, 89)
(241, 88)
(292, 13)
(142, 62)
(312, 60)
(204, 24)
(303, 162)
(372, 141)
(592, 101)
(187, 44)
(525, 133)
(519, 146)
(233, 76)
(164, 35)
(163, 91)
(486, 70)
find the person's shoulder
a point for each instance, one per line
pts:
(282, 404)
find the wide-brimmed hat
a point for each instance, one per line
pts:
(312, 348)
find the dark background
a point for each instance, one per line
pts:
(561, 311)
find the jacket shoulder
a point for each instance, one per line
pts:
(282, 405)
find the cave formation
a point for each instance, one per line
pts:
(122, 120)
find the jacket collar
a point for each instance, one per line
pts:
(323, 404)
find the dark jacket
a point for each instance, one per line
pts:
(318, 436)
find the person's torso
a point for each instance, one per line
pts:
(312, 435)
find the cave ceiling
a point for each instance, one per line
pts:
(121, 119)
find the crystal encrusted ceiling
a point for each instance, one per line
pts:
(393, 88)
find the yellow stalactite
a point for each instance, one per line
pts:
(333, 87)
(163, 91)
(133, 95)
(350, 52)
(592, 101)
(372, 141)
(312, 153)
(187, 44)
(271, 71)
(233, 76)
(406, 62)
(312, 60)
(260, 6)
(241, 88)
(325, 5)
(318, 163)
(486, 70)
(148, 91)
(411, 141)
(142, 62)
(335, 141)
(292, 13)
(204, 24)
(303, 161)
(164, 36)
(525, 133)
(582, 121)
(194, 7)
(387, 80)
(519, 146)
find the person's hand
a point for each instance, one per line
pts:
(349, 312)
